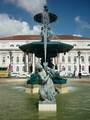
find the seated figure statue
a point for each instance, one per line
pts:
(47, 90)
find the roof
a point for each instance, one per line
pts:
(37, 37)
(21, 37)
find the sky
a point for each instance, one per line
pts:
(16, 17)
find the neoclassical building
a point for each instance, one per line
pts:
(75, 61)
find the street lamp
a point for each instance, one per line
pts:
(10, 65)
(79, 55)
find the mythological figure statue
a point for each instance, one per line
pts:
(47, 90)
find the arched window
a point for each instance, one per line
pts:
(3, 60)
(83, 68)
(17, 68)
(11, 45)
(69, 59)
(82, 58)
(63, 59)
(69, 68)
(23, 68)
(89, 59)
(17, 45)
(23, 59)
(17, 59)
(63, 68)
(75, 59)
(74, 45)
(75, 67)
(88, 45)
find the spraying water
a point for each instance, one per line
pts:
(45, 29)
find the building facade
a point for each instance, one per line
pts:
(75, 61)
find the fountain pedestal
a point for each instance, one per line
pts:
(44, 107)
(61, 88)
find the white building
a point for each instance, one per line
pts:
(12, 57)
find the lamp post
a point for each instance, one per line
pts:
(10, 65)
(79, 55)
(74, 70)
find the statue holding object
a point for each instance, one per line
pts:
(47, 90)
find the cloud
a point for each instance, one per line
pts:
(83, 24)
(32, 6)
(77, 35)
(77, 18)
(9, 26)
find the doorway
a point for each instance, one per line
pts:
(89, 68)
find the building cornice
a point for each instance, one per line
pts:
(38, 37)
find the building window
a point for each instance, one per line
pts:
(17, 59)
(63, 68)
(88, 45)
(7, 56)
(11, 45)
(75, 67)
(69, 59)
(23, 68)
(23, 59)
(63, 59)
(82, 58)
(69, 68)
(75, 59)
(83, 68)
(74, 45)
(17, 68)
(17, 45)
(89, 59)
(3, 60)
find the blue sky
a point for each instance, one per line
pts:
(73, 16)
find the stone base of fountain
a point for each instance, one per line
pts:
(62, 88)
(44, 107)
(34, 89)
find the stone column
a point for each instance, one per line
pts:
(33, 65)
(58, 64)
(30, 61)
(55, 61)
(87, 62)
(25, 64)
(10, 65)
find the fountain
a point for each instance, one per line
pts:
(46, 50)
(43, 48)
